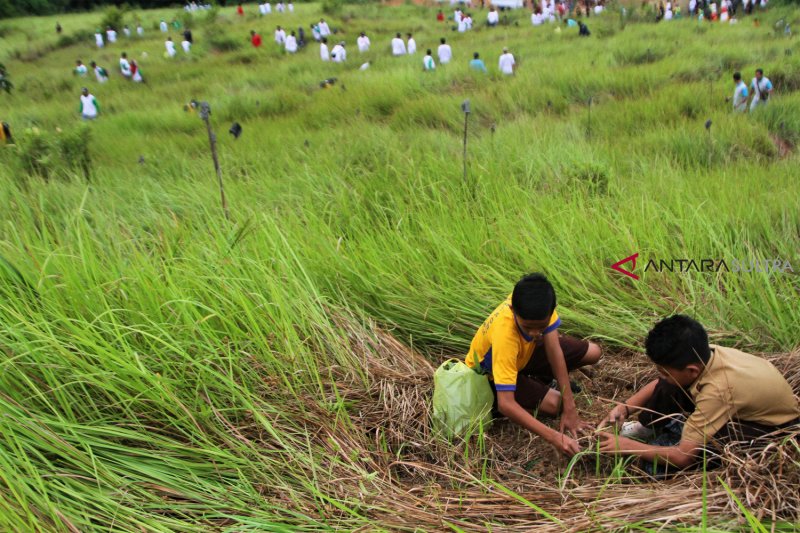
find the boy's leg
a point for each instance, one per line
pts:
(530, 394)
(577, 353)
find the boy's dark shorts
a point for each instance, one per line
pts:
(533, 381)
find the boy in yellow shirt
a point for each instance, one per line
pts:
(521, 350)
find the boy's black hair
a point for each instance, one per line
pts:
(534, 297)
(476, 55)
(443, 40)
(677, 341)
(760, 71)
(737, 76)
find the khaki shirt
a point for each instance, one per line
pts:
(738, 386)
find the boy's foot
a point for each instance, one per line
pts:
(636, 430)
(574, 387)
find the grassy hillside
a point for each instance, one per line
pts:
(166, 369)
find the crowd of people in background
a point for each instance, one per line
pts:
(561, 13)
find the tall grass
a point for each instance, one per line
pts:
(172, 371)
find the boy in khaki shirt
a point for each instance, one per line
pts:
(727, 394)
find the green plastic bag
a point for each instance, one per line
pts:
(462, 399)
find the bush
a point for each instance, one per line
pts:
(114, 17)
(332, 7)
(35, 154)
(222, 42)
(50, 156)
(80, 36)
(212, 15)
(73, 150)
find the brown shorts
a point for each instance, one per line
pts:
(533, 381)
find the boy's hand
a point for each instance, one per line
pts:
(615, 417)
(571, 422)
(564, 444)
(610, 443)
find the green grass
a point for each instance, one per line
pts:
(171, 371)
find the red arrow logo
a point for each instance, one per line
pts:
(617, 266)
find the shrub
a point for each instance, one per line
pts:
(113, 17)
(35, 154)
(60, 155)
(332, 7)
(73, 150)
(80, 36)
(222, 42)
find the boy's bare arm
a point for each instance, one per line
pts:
(622, 411)
(555, 356)
(681, 455)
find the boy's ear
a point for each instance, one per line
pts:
(695, 368)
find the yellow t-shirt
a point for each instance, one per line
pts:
(503, 349)
(738, 386)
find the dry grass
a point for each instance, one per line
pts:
(425, 482)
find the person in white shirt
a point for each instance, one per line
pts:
(170, 46)
(398, 46)
(427, 61)
(507, 64)
(493, 18)
(339, 54)
(468, 21)
(739, 94)
(125, 66)
(412, 45)
(363, 43)
(457, 16)
(139, 30)
(99, 73)
(315, 32)
(89, 107)
(163, 26)
(186, 45)
(761, 88)
(80, 69)
(323, 50)
(324, 29)
(279, 7)
(291, 7)
(462, 24)
(262, 9)
(598, 9)
(537, 18)
(364, 66)
(280, 35)
(291, 43)
(98, 39)
(127, 31)
(111, 34)
(267, 8)
(445, 52)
